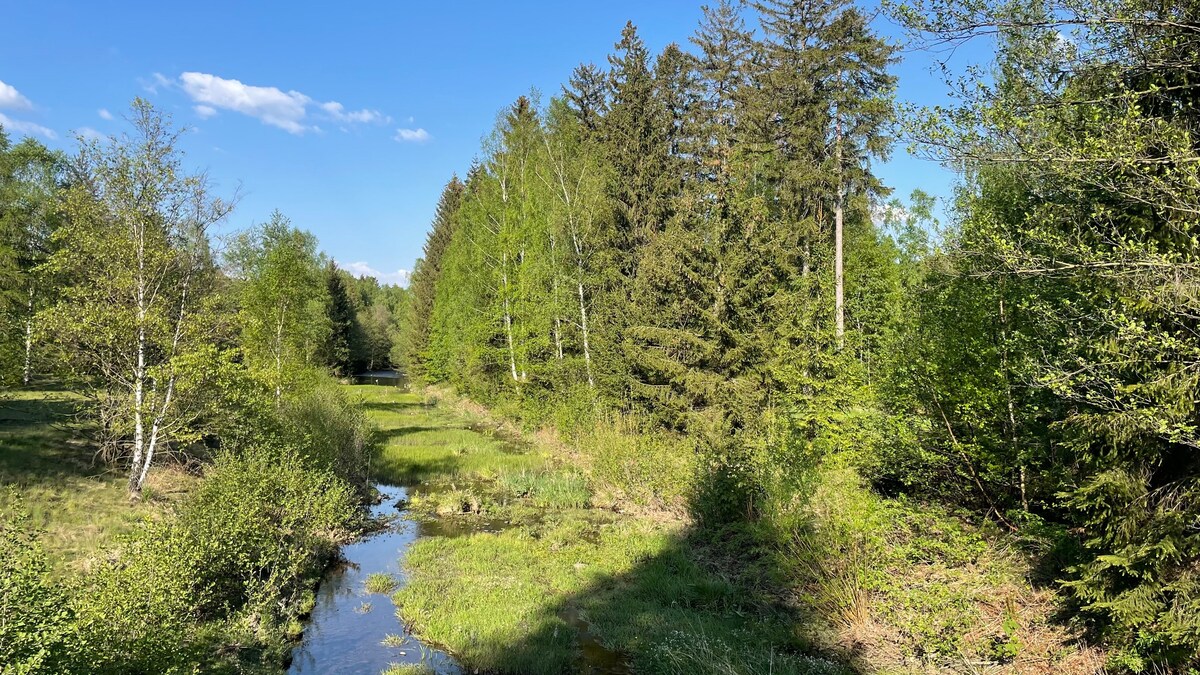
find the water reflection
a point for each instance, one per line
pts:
(347, 628)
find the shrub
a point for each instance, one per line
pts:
(648, 469)
(330, 432)
(35, 619)
(245, 548)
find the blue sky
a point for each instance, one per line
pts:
(348, 118)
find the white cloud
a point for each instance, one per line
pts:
(273, 106)
(362, 269)
(411, 135)
(11, 98)
(104, 114)
(23, 127)
(156, 81)
(89, 133)
(289, 110)
(364, 116)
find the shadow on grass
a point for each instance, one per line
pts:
(38, 433)
(394, 406)
(576, 590)
(633, 602)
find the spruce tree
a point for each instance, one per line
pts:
(425, 276)
(340, 312)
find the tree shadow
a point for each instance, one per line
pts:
(39, 437)
(706, 598)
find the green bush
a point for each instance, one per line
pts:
(35, 618)
(648, 469)
(330, 432)
(243, 549)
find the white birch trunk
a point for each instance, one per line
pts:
(583, 319)
(512, 357)
(279, 353)
(27, 373)
(139, 372)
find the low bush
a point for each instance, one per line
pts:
(36, 621)
(239, 555)
(330, 431)
(647, 469)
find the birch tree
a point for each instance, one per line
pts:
(30, 175)
(134, 259)
(282, 293)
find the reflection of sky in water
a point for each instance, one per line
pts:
(340, 638)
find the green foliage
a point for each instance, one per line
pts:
(331, 433)
(1059, 329)
(244, 548)
(282, 300)
(36, 620)
(30, 180)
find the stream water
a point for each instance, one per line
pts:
(346, 631)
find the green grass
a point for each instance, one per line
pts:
(906, 587)
(421, 442)
(78, 502)
(558, 585)
(528, 599)
(409, 669)
(547, 489)
(380, 582)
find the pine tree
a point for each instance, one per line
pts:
(339, 311)
(425, 276)
(586, 94)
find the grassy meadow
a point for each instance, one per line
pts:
(78, 502)
(539, 557)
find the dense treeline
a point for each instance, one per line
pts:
(115, 296)
(694, 247)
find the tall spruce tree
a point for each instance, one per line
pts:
(339, 310)
(425, 276)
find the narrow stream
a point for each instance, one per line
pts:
(348, 626)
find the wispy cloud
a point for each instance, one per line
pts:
(104, 114)
(89, 133)
(411, 136)
(362, 269)
(157, 81)
(337, 112)
(12, 99)
(292, 111)
(24, 127)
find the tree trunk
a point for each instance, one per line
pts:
(512, 356)
(28, 336)
(139, 374)
(1012, 416)
(279, 353)
(583, 319)
(838, 273)
(558, 346)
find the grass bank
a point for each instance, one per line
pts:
(545, 557)
(208, 573)
(522, 570)
(78, 503)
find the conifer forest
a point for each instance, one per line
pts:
(679, 383)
